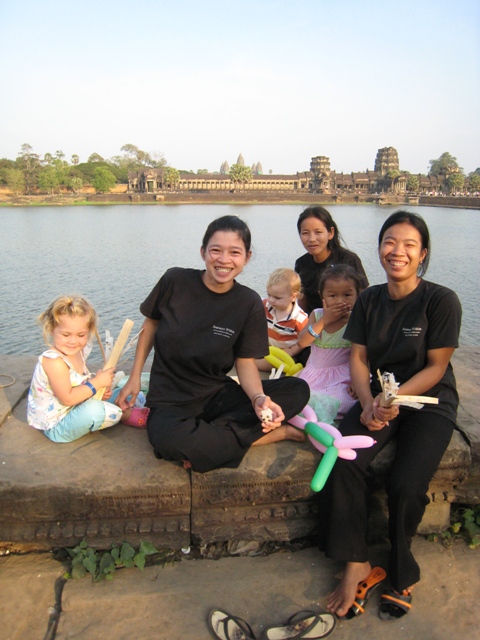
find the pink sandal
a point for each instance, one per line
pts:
(137, 418)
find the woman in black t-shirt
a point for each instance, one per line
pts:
(320, 236)
(408, 327)
(201, 323)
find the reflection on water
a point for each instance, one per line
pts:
(115, 254)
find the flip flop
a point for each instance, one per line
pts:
(394, 605)
(365, 589)
(137, 418)
(224, 626)
(304, 624)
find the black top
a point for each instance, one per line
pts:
(398, 334)
(310, 272)
(199, 336)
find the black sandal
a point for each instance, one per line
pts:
(304, 624)
(224, 626)
(394, 605)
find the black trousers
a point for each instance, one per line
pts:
(219, 432)
(422, 439)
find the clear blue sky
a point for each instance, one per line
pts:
(278, 80)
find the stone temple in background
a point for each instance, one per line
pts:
(385, 178)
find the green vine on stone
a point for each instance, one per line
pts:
(102, 564)
(465, 525)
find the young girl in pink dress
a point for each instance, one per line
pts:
(327, 370)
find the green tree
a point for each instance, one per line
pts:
(75, 159)
(201, 172)
(47, 158)
(29, 163)
(5, 164)
(95, 157)
(393, 176)
(103, 180)
(15, 180)
(62, 170)
(171, 177)
(455, 182)
(444, 165)
(75, 184)
(474, 181)
(240, 174)
(413, 183)
(48, 179)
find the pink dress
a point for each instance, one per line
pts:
(327, 373)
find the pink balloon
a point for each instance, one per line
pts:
(347, 454)
(300, 422)
(353, 442)
(344, 444)
(309, 414)
(333, 431)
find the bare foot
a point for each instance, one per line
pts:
(284, 432)
(187, 464)
(342, 598)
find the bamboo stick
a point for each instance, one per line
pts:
(394, 399)
(420, 399)
(99, 340)
(116, 351)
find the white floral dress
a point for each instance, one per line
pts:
(44, 410)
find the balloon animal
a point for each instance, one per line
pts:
(330, 442)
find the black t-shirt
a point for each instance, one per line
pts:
(398, 334)
(199, 336)
(310, 272)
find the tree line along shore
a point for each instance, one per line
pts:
(139, 172)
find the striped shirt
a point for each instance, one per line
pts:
(284, 333)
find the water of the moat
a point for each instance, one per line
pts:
(115, 254)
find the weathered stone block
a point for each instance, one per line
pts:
(267, 498)
(107, 486)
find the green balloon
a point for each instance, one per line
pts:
(319, 434)
(326, 465)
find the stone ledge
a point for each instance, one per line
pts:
(109, 487)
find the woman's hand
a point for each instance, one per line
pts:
(132, 389)
(375, 417)
(264, 403)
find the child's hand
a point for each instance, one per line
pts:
(103, 378)
(107, 393)
(336, 311)
(351, 392)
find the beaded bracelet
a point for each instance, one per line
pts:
(312, 332)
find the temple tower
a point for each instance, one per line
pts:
(386, 160)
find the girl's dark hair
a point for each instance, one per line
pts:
(324, 216)
(228, 223)
(399, 217)
(340, 272)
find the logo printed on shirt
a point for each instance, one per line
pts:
(225, 332)
(411, 332)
